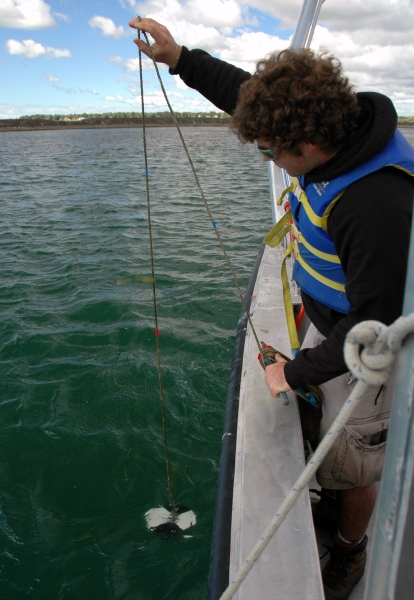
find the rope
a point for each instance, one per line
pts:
(371, 367)
(154, 293)
(309, 393)
(213, 222)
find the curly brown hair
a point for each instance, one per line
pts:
(297, 96)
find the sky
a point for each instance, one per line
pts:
(72, 56)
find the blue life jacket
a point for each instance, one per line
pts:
(317, 269)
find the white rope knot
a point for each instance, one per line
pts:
(373, 365)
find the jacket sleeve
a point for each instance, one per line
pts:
(215, 79)
(370, 227)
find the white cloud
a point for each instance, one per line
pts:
(249, 47)
(32, 49)
(155, 101)
(11, 111)
(373, 38)
(25, 14)
(61, 16)
(369, 15)
(108, 27)
(130, 65)
(211, 13)
(118, 98)
(352, 15)
(128, 79)
(180, 84)
(387, 68)
(49, 77)
(210, 25)
(76, 90)
(208, 12)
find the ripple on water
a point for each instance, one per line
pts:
(82, 454)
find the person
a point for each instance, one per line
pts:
(352, 206)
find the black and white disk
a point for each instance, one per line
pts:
(168, 522)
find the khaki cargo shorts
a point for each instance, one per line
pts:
(357, 456)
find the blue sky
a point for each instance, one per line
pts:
(68, 56)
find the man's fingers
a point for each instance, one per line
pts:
(148, 25)
(275, 378)
(164, 48)
(279, 359)
(143, 47)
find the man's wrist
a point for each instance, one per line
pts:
(182, 61)
(176, 59)
(289, 373)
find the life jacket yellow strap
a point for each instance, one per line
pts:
(329, 282)
(328, 210)
(303, 199)
(324, 255)
(287, 300)
(290, 188)
(312, 216)
(273, 239)
(278, 232)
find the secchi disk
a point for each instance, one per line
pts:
(167, 522)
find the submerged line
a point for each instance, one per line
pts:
(154, 293)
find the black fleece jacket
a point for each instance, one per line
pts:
(370, 225)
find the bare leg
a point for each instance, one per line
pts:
(355, 507)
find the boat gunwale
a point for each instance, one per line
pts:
(221, 540)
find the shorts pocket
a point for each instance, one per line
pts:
(361, 449)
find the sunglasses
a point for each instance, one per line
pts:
(266, 152)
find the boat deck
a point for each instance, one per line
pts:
(269, 458)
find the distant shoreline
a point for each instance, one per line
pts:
(16, 125)
(114, 123)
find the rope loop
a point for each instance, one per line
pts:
(373, 364)
(402, 327)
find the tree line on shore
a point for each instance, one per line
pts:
(128, 119)
(150, 115)
(128, 115)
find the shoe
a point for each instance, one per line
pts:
(324, 511)
(344, 569)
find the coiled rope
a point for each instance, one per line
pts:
(372, 366)
(154, 293)
(304, 392)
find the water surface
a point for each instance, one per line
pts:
(81, 451)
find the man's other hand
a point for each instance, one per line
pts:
(275, 377)
(165, 49)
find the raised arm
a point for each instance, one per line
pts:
(215, 79)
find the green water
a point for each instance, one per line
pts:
(81, 450)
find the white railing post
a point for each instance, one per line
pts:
(391, 534)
